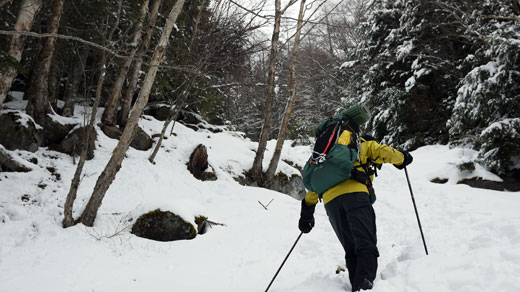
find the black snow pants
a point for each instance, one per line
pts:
(354, 221)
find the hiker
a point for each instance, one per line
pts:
(349, 203)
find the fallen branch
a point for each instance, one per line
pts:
(211, 223)
(265, 206)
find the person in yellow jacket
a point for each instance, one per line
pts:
(349, 206)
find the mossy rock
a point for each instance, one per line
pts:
(163, 226)
(478, 182)
(466, 166)
(439, 180)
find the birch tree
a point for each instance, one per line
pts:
(110, 114)
(38, 92)
(181, 100)
(134, 76)
(108, 175)
(290, 103)
(24, 22)
(257, 170)
(68, 219)
(216, 49)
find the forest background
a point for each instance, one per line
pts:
(431, 71)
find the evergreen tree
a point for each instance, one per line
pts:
(485, 115)
(406, 71)
(440, 71)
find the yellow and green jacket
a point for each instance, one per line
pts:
(370, 151)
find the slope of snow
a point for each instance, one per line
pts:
(473, 235)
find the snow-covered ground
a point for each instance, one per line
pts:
(473, 235)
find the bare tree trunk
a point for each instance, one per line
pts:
(257, 171)
(329, 36)
(54, 81)
(108, 175)
(196, 28)
(71, 95)
(171, 117)
(24, 22)
(38, 92)
(181, 100)
(290, 103)
(173, 114)
(68, 219)
(110, 114)
(134, 77)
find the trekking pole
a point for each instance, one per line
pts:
(415, 207)
(301, 233)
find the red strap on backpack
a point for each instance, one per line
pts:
(331, 138)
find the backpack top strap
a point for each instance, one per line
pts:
(332, 137)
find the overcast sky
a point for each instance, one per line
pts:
(292, 12)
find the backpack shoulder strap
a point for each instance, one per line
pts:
(368, 167)
(327, 134)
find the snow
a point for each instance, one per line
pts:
(65, 120)
(405, 49)
(499, 125)
(410, 83)
(17, 158)
(473, 235)
(348, 64)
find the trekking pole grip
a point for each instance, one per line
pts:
(415, 208)
(301, 233)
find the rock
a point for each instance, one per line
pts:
(478, 182)
(189, 117)
(208, 175)
(111, 131)
(19, 131)
(198, 160)
(141, 141)
(439, 180)
(73, 143)
(198, 164)
(163, 226)
(160, 111)
(8, 163)
(209, 127)
(9, 98)
(54, 131)
(195, 122)
(291, 186)
(512, 180)
(193, 127)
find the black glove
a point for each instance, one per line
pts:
(407, 160)
(306, 218)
